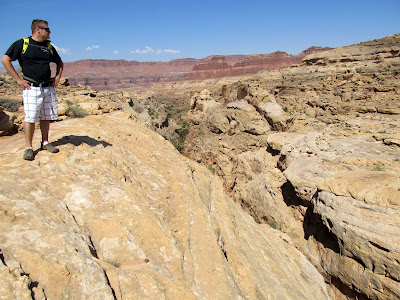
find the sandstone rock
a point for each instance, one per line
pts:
(14, 284)
(215, 67)
(247, 118)
(374, 188)
(6, 123)
(91, 108)
(307, 159)
(342, 118)
(272, 111)
(390, 111)
(64, 81)
(386, 47)
(203, 102)
(350, 205)
(278, 140)
(102, 74)
(340, 115)
(392, 141)
(241, 105)
(121, 215)
(204, 107)
(259, 190)
(362, 209)
(145, 119)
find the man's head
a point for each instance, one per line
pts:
(38, 24)
(40, 30)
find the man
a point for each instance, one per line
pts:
(34, 55)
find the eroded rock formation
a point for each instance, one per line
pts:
(113, 74)
(118, 213)
(218, 66)
(6, 123)
(325, 168)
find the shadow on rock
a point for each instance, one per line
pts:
(9, 132)
(79, 140)
(312, 224)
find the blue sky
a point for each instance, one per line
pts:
(155, 30)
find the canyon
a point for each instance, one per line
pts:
(282, 184)
(114, 74)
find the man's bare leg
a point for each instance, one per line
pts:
(29, 130)
(45, 127)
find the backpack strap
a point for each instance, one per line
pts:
(50, 48)
(26, 44)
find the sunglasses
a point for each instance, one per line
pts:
(45, 28)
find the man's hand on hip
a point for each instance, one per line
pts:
(23, 83)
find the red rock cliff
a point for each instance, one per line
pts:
(113, 74)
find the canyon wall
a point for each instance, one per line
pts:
(114, 74)
(314, 150)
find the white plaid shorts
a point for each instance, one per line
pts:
(40, 103)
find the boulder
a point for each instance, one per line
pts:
(246, 118)
(6, 123)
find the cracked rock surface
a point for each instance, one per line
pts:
(118, 213)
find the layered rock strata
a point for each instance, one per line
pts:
(325, 168)
(217, 67)
(118, 213)
(116, 74)
(359, 208)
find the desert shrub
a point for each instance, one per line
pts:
(210, 167)
(9, 104)
(74, 110)
(178, 146)
(273, 224)
(180, 141)
(182, 132)
(152, 113)
(379, 167)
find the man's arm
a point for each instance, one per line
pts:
(6, 61)
(60, 68)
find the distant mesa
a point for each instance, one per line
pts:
(114, 74)
(104, 74)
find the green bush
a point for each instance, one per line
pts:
(74, 110)
(178, 146)
(273, 224)
(152, 113)
(10, 105)
(210, 167)
(182, 132)
(379, 167)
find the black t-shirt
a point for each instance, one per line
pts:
(35, 62)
